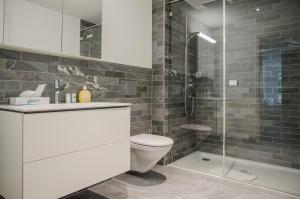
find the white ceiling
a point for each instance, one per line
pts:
(89, 10)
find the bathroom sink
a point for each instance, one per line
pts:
(62, 107)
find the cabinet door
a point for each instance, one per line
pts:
(53, 134)
(11, 155)
(63, 175)
(127, 32)
(1, 20)
(33, 24)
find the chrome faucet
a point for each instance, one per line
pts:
(58, 87)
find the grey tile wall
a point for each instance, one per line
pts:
(21, 71)
(184, 140)
(168, 110)
(165, 102)
(158, 78)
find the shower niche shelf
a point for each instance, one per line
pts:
(195, 127)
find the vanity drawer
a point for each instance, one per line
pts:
(60, 176)
(52, 134)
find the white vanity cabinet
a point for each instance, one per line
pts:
(50, 154)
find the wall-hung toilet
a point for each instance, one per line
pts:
(147, 150)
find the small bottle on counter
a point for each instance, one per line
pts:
(68, 98)
(74, 98)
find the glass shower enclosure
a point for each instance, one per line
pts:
(232, 78)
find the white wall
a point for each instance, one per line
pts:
(32, 26)
(1, 19)
(127, 32)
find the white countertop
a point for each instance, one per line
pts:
(61, 107)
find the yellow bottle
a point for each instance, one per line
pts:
(85, 95)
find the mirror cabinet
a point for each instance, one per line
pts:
(69, 27)
(1, 20)
(118, 31)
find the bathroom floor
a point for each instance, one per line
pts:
(244, 170)
(179, 184)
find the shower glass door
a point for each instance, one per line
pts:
(194, 79)
(262, 93)
(255, 137)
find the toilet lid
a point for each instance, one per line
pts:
(151, 140)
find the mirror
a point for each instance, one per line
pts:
(82, 28)
(33, 24)
(1, 20)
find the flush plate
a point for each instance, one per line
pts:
(233, 82)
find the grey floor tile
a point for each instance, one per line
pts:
(86, 194)
(182, 184)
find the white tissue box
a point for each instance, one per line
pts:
(29, 100)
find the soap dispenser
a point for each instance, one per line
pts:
(85, 95)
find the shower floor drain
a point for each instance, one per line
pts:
(206, 159)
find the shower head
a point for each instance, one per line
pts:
(192, 35)
(202, 35)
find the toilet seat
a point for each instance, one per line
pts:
(147, 150)
(151, 140)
